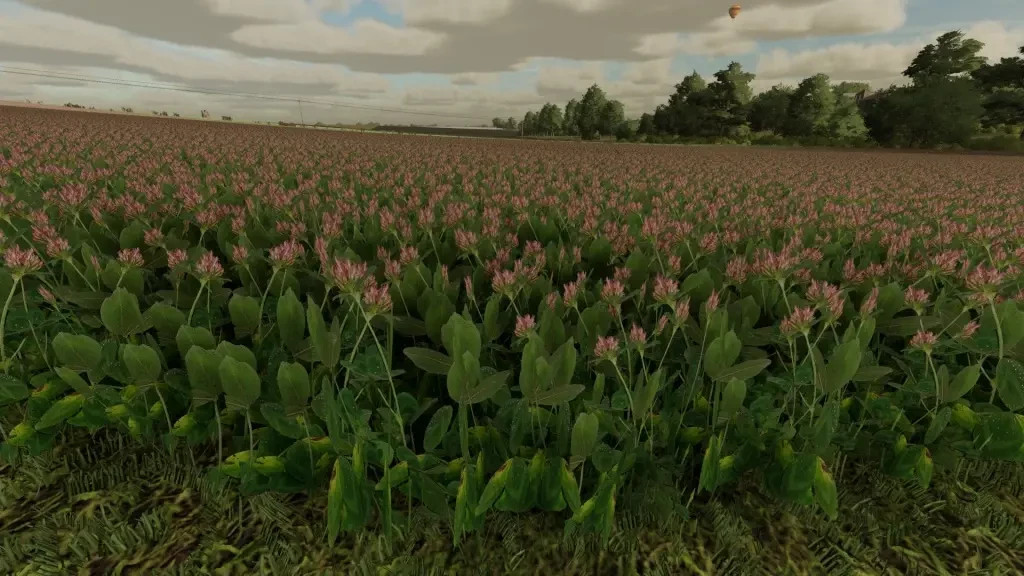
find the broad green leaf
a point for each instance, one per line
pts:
(1010, 383)
(584, 437)
(293, 383)
(335, 502)
(842, 365)
(120, 313)
(709, 469)
(244, 312)
(77, 352)
(203, 367)
(563, 362)
(491, 327)
(732, 398)
(938, 424)
(487, 388)
(12, 390)
(1011, 321)
(533, 351)
(743, 370)
(559, 395)
(429, 360)
(238, 352)
(142, 362)
(240, 382)
(165, 318)
(722, 353)
(871, 373)
(437, 428)
(60, 411)
(189, 336)
(964, 381)
(326, 343)
(291, 319)
(825, 492)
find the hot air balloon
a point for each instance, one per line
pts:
(734, 11)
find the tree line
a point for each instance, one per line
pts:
(953, 96)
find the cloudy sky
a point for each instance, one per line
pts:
(465, 61)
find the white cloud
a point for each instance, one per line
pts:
(852, 61)
(417, 12)
(1001, 41)
(363, 37)
(584, 6)
(49, 30)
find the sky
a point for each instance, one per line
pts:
(455, 62)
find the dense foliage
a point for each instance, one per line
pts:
(474, 325)
(953, 96)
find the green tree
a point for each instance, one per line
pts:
(682, 115)
(846, 122)
(570, 120)
(646, 125)
(951, 54)
(933, 111)
(810, 108)
(1002, 84)
(769, 109)
(612, 115)
(591, 112)
(530, 123)
(549, 120)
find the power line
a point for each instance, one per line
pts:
(209, 91)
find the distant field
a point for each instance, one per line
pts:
(230, 348)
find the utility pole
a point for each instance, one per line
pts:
(302, 120)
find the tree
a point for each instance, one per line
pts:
(549, 120)
(498, 123)
(846, 122)
(951, 54)
(530, 123)
(570, 120)
(623, 131)
(933, 111)
(680, 110)
(646, 125)
(1002, 84)
(769, 110)
(612, 115)
(589, 113)
(810, 108)
(511, 124)
(728, 102)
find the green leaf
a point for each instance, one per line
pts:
(429, 360)
(964, 381)
(60, 411)
(584, 437)
(492, 329)
(203, 367)
(938, 424)
(1010, 383)
(437, 428)
(121, 315)
(709, 469)
(142, 362)
(238, 352)
(842, 365)
(326, 343)
(335, 502)
(293, 383)
(559, 395)
(77, 352)
(166, 319)
(240, 382)
(291, 319)
(871, 373)
(744, 370)
(12, 390)
(189, 336)
(722, 353)
(487, 388)
(1011, 320)
(71, 378)
(825, 492)
(732, 398)
(244, 312)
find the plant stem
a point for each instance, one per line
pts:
(3, 321)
